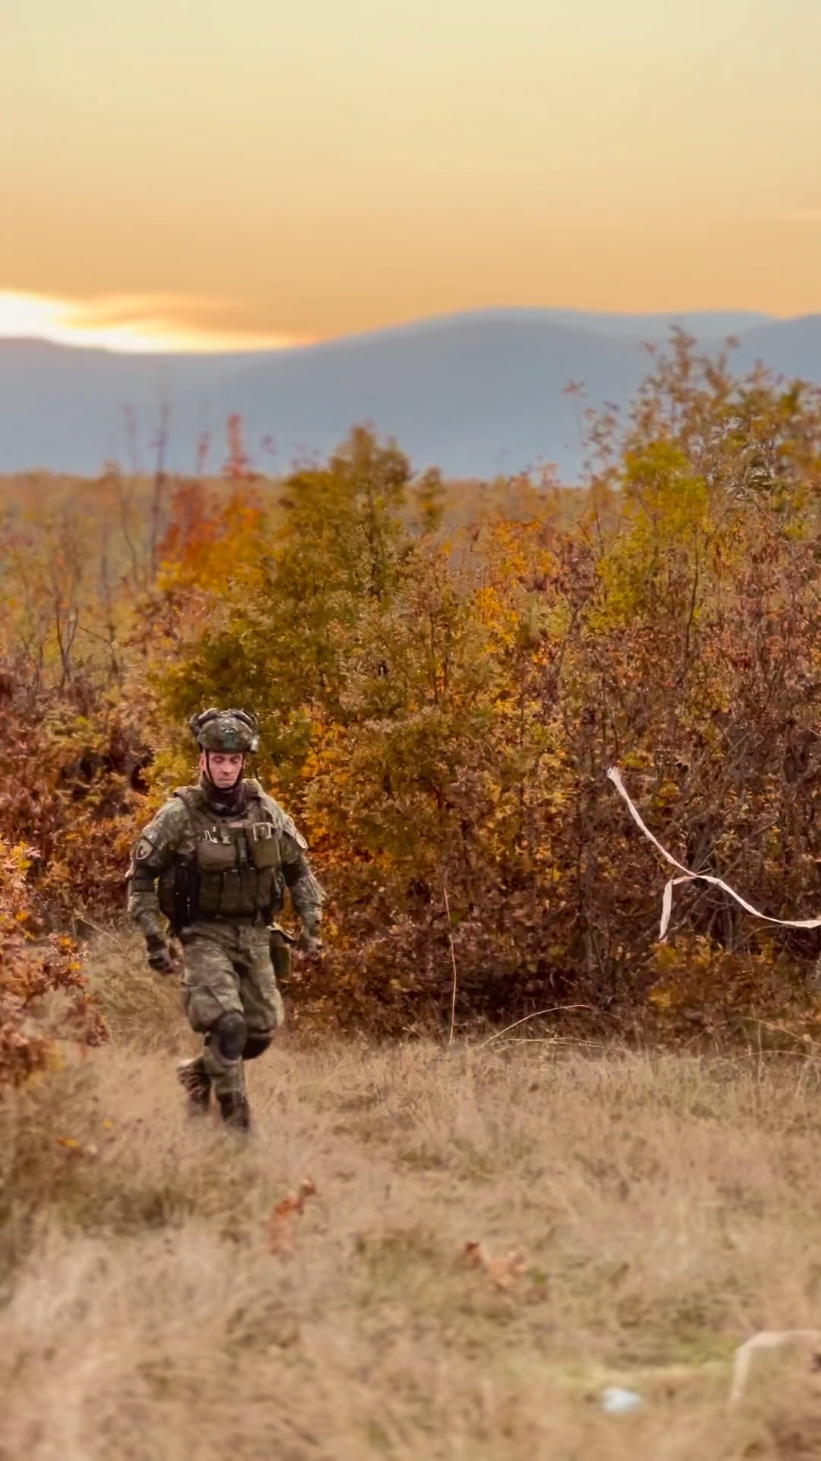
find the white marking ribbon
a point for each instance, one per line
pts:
(691, 877)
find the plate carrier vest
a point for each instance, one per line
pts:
(235, 870)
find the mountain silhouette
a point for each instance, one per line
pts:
(476, 394)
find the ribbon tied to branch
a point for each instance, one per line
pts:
(688, 876)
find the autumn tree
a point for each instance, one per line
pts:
(278, 626)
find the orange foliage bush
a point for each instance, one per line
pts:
(71, 772)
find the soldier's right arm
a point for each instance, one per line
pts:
(152, 855)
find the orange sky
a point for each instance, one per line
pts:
(230, 172)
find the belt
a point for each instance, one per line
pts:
(245, 920)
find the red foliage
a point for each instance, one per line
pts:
(34, 964)
(238, 467)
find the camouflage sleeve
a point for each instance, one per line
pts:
(152, 854)
(307, 895)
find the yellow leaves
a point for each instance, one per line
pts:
(660, 483)
(77, 1148)
(637, 759)
(16, 860)
(665, 957)
(667, 795)
(496, 615)
(660, 998)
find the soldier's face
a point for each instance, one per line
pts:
(224, 767)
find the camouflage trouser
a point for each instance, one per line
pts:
(228, 968)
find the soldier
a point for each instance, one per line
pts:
(215, 862)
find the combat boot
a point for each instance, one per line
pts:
(195, 1080)
(235, 1111)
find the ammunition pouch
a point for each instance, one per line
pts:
(178, 893)
(216, 857)
(280, 945)
(263, 845)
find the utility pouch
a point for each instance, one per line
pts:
(216, 857)
(280, 947)
(263, 844)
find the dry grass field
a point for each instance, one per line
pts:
(649, 1213)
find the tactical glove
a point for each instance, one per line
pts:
(159, 955)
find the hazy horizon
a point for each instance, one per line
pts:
(129, 340)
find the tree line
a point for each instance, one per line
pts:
(442, 688)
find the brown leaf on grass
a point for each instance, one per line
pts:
(280, 1234)
(504, 1270)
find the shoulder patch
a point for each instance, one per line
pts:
(166, 826)
(143, 849)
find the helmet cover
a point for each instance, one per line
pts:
(230, 731)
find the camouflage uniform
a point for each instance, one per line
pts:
(216, 866)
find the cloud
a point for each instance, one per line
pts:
(130, 323)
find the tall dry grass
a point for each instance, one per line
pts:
(666, 1208)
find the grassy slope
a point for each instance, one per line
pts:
(668, 1208)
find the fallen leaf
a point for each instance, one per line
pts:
(507, 1269)
(280, 1235)
(503, 1271)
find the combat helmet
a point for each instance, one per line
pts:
(225, 730)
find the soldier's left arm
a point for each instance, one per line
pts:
(153, 853)
(307, 894)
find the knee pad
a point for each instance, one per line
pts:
(229, 1033)
(257, 1043)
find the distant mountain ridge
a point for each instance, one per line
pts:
(475, 394)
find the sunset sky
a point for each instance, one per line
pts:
(227, 172)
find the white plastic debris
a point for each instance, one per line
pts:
(616, 1401)
(767, 1339)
